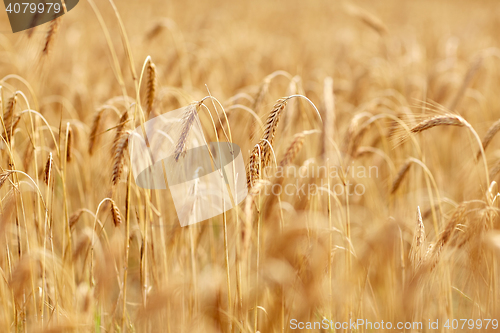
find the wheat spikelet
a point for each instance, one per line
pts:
(118, 158)
(93, 132)
(401, 175)
(447, 119)
(151, 87)
(48, 170)
(69, 144)
(51, 34)
(416, 251)
(293, 149)
(489, 136)
(187, 122)
(115, 213)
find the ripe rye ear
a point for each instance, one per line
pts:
(401, 175)
(48, 170)
(115, 213)
(69, 144)
(417, 246)
(260, 157)
(293, 150)
(188, 120)
(118, 158)
(73, 219)
(444, 120)
(4, 176)
(10, 119)
(151, 88)
(489, 136)
(93, 132)
(51, 35)
(119, 130)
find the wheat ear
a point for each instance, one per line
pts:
(446, 234)
(10, 119)
(367, 18)
(293, 149)
(261, 153)
(48, 169)
(93, 132)
(115, 213)
(489, 135)
(73, 219)
(69, 144)
(448, 120)
(118, 157)
(51, 35)
(151, 87)
(453, 120)
(401, 175)
(188, 120)
(4, 176)
(119, 130)
(416, 251)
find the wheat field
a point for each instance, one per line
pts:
(368, 130)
